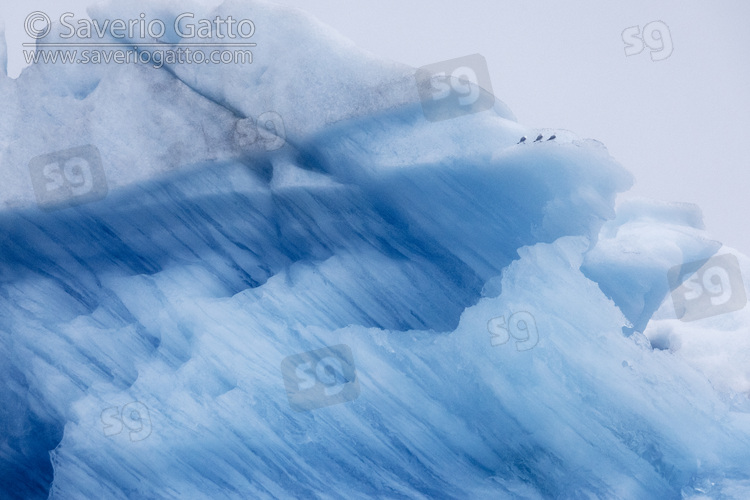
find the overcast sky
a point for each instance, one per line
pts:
(680, 123)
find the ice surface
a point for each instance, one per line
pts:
(513, 331)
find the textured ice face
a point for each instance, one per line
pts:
(286, 279)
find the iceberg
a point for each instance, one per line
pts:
(290, 278)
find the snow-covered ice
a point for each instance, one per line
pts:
(281, 279)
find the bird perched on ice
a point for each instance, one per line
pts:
(551, 137)
(539, 138)
(523, 139)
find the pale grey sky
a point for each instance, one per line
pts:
(678, 124)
